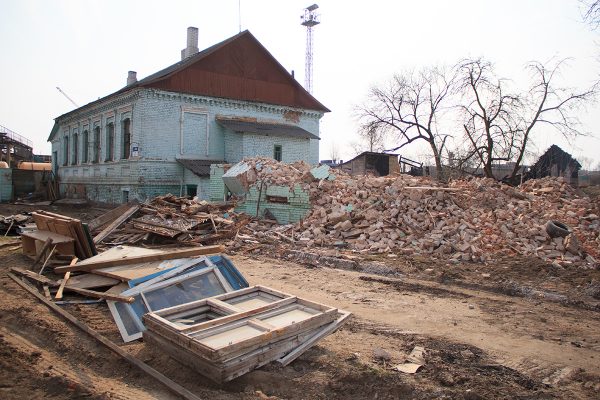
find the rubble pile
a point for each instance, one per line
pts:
(273, 172)
(470, 220)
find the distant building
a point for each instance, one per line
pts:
(14, 147)
(555, 162)
(162, 133)
(368, 162)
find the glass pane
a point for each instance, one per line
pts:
(130, 320)
(191, 289)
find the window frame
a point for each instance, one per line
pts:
(75, 149)
(65, 161)
(85, 142)
(126, 138)
(278, 151)
(164, 280)
(97, 147)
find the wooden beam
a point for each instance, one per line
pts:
(59, 294)
(321, 333)
(47, 259)
(115, 224)
(89, 293)
(61, 288)
(109, 216)
(166, 255)
(174, 387)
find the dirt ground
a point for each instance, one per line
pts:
(514, 329)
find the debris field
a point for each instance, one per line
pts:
(392, 286)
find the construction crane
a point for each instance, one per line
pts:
(67, 96)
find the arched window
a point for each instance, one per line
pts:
(86, 144)
(75, 157)
(126, 124)
(110, 142)
(96, 144)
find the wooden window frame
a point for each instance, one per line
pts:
(157, 283)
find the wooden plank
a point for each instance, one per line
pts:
(44, 235)
(61, 288)
(326, 330)
(109, 216)
(165, 255)
(174, 387)
(115, 224)
(100, 295)
(90, 281)
(47, 259)
(155, 341)
(90, 293)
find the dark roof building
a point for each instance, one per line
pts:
(159, 134)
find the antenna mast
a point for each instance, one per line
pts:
(310, 18)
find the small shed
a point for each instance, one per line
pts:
(368, 162)
(555, 162)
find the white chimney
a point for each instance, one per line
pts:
(192, 43)
(131, 77)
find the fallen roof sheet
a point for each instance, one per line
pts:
(266, 129)
(200, 168)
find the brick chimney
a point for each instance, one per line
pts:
(131, 77)
(192, 43)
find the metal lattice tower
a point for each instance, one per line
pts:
(310, 19)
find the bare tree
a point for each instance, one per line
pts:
(489, 127)
(334, 154)
(499, 125)
(592, 13)
(548, 104)
(373, 138)
(408, 108)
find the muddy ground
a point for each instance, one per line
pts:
(517, 328)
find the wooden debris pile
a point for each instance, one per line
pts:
(170, 219)
(11, 224)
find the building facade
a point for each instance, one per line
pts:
(161, 134)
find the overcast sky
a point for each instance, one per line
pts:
(86, 48)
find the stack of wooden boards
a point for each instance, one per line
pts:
(60, 228)
(226, 336)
